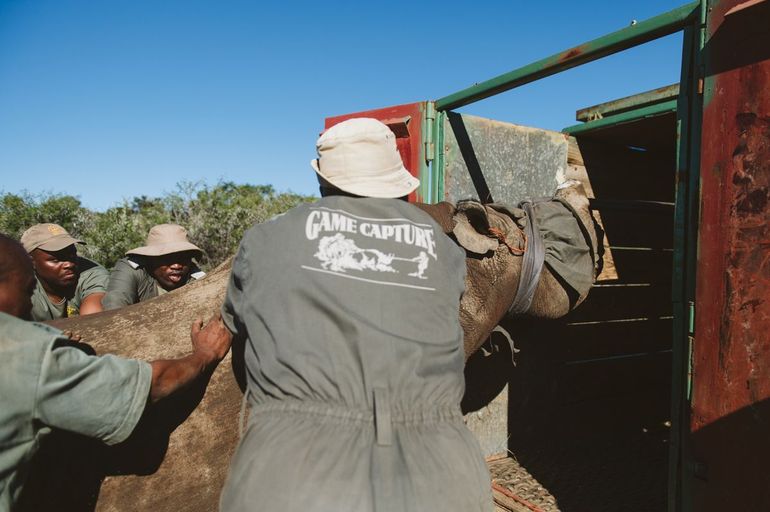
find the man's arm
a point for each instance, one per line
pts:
(104, 396)
(92, 285)
(91, 304)
(210, 345)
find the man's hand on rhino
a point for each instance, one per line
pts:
(213, 341)
(210, 345)
(72, 336)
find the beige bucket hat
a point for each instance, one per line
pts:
(165, 239)
(49, 237)
(359, 156)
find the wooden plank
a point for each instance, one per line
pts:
(638, 228)
(624, 301)
(603, 398)
(558, 344)
(642, 266)
(613, 378)
(620, 172)
(627, 103)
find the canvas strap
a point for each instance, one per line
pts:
(531, 264)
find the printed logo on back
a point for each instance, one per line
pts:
(394, 252)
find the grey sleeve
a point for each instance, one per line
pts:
(231, 308)
(93, 280)
(123, 287)
(97, 396)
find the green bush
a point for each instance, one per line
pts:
(18, 212)
(215, 217)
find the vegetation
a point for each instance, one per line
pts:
(215, 217)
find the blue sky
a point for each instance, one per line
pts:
(115, 99)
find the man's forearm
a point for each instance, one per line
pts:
(210, 345)
(171, 375)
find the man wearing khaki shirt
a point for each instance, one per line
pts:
(164, 263)
(46, 383)
(67, 284)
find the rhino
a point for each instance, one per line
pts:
(178, 457)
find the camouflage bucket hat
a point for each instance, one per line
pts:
(166, 239)
(48, 237)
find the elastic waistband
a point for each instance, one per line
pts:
(425, 415)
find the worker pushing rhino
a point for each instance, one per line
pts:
(351, 320)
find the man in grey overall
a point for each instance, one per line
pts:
(347, 316)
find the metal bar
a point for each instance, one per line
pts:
(632, 205)
(628, 103)
(437, 165)
(692, 209)
(689, 121)
(625, 117)
(642, 32)
(678, 359)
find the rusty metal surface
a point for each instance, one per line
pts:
(502, 162)
(730, 418)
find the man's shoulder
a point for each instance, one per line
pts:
(90, 267)
(41, 305)
(375, 206)
(93, 277)
(130, 265)
(87, 263)
(26, 336)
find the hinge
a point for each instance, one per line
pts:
(691, 318)
(430, 118)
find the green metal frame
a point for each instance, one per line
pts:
(690, 19)
(689, 121)
(437, 169)
(625, 117)
(642, 32)
(634, 102)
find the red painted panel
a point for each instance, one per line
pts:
(406, 122)
(730, 418)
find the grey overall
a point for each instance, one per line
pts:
(354, 363)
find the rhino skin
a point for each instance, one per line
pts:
(178, 457)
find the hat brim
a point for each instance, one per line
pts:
(59, 242)
(399, 183)
(164, 249)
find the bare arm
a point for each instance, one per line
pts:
(210, 345)
(91, 304)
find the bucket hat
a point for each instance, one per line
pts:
(359, 156)
(165, 239)
(49, 237)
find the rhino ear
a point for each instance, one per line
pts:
(471, 228)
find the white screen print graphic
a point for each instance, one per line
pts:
(411, 246)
